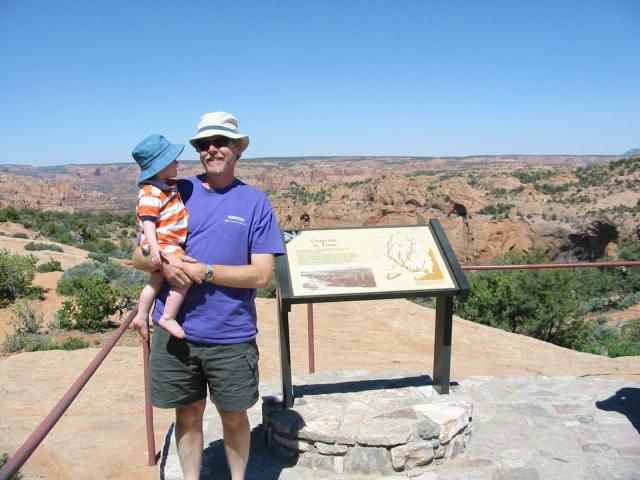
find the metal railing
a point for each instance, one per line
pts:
(18, 459)
(528, 266)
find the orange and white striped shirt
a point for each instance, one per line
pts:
(171, 216)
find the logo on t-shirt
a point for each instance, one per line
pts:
(235, 219)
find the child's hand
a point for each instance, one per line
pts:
(155, 255)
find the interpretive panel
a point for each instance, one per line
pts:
(365, 260)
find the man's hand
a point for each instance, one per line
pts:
(175, 267)
(195, 271)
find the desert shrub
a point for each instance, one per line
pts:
(16, 274)
(72, 281)
(528, 176)
(593, 305)
(19, 235)
(496, 210)
(33, 246)
(27, 317)
(27, 342)
(629, 300)
(74, 343)
(50, 266)
(9, 214)
(98, 257)
(550, 188)
(4, 458)
(613, 342)
(37, 342)
(104, 246)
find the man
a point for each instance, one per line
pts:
(233, 236)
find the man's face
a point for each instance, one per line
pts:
(218, 155)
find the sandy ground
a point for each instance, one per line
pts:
(102, 435)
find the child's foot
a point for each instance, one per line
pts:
(171, 326)
(141, 325)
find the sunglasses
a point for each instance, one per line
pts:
(205, 143)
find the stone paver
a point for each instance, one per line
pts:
(523, 428)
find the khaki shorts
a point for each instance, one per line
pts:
(181, 371)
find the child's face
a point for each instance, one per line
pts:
(170, 172)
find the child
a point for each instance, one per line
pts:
(163, 219)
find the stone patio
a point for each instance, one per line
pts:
(568, 428)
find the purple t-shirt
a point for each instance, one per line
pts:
(225, 227)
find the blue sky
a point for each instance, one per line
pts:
(83, 82)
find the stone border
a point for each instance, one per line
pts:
(369, 432)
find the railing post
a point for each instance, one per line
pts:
(148, 408)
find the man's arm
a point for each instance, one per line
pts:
(255, 275)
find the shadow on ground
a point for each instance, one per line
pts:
(362, 385)
(625, 401)
(263, 463)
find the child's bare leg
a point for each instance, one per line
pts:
(147, 297)
(171, 307)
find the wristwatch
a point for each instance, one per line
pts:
(208, 275)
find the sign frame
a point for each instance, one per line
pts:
(444, 304)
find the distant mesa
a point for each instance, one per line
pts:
(632, 153)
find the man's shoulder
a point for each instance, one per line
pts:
(250, 190)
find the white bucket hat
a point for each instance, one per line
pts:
(220, 123)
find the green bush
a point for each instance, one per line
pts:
(4, 458)
(100, 290)
(538, 303)
(33, 246)
(269, 291)
(19, 235)
(16, 274)
(95, 301)
(50, 266)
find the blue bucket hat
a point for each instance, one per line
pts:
(153, 154)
